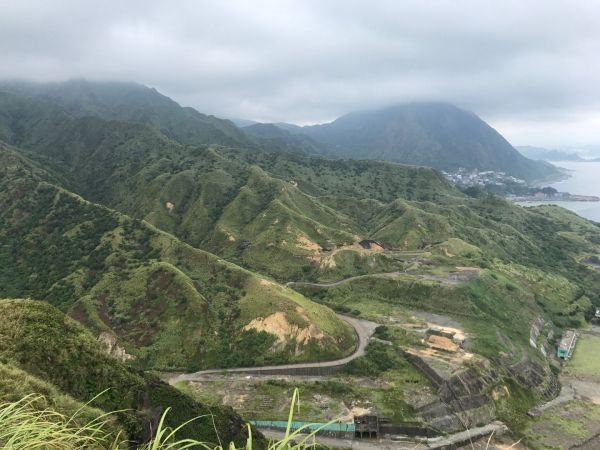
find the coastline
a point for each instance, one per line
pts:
(565, 197)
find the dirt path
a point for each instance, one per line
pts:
(457, 278)
(364, 330)
(391, 275)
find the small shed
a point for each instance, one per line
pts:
(566, 344)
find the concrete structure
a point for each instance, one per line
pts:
(366, 426)
(332, 430)
(566, 345)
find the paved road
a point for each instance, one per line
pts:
(364, 330)
(463, 438)
(353, 444)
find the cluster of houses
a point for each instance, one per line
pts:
(473, 177)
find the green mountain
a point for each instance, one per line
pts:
(44, 352)
(118, 224)
(132, 102)
(264, 210)
(427, 134)
(157, 302)
(438, 135)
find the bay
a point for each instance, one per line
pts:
(584, 180)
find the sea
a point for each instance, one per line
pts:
(584, 180)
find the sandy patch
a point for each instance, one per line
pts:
(305, 243)
(278, 325)
(459, 335)
(442, 343)
(355, 411)
(458, 357)
(328, 260)
(446, 253)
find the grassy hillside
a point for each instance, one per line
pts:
(155, 301)
(40, 343)
(263, 210)
(17, 384)
(370, 238)
(289, 215)
(132, 102)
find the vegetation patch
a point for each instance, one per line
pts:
(585, 362)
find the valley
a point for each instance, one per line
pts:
(240, 266)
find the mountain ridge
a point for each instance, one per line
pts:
(433, 134)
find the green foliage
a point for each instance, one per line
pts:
(289, 215)
(23, 424)
(513, 404)
(379, 358)
(39, 340)
(168, 305)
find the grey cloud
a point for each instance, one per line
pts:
(522, 65)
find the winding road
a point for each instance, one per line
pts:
(390, 275)
(364, 329)
(450, 279)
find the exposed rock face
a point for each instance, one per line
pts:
(462, 404)
(278, 325)
(463, 401)
(109, 342)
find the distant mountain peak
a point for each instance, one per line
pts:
(435, 134)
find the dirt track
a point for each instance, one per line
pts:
(451, 279)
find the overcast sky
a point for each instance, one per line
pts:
(530, 68)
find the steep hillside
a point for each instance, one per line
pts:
(156, 302)
(261, 209)
(392, 243)
(132, 102)
(290, 215)
(55, 356)
(429, 134)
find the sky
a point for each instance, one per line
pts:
(529, 68)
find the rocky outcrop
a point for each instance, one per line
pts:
(109, 342)
(278, 325)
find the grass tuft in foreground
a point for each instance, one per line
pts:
(24, 427)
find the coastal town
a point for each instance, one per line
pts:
(513, 188)
(466, 178)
